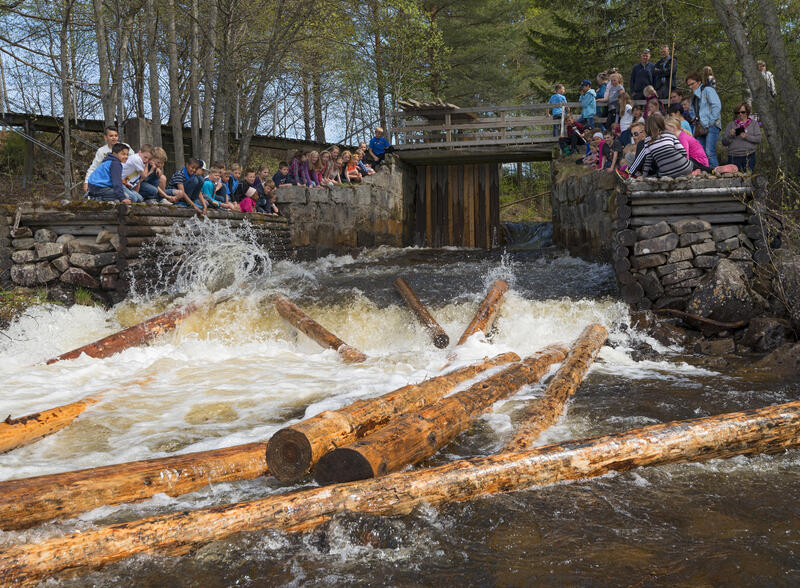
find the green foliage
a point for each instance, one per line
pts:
(525, 197)
(84, 297)
(12, 153)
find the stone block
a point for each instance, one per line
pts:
(24, 243)
(715, 346)
(728, 245)
(25, 275)
(22, 233)
(104, 237)
(46, 273)
(656, 245)
(680, 254)
(87, 246)
(322, 195)
(115, 243)
(77, 277)
(740, 254)
(61, 263)
(650, 284)
(291, 195)
(743, 239)
(23, 256)
(722, 233)
(670, 268)
(705, 261)
(363, 195)
(91, 262)
(674, 302)
(651, 231)
(5, 232)
(45, 236)
(64, 239)
(47, 250)
(691, 238)
(753, 231)
(109, 282)
(682, 275)
(677, 291)
(703, 248)
(645, 261)
(691, 225)
(110, 269)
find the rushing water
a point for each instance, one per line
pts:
(236, 373)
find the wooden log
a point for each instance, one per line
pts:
(623, 211)
(31, 501)
(626, 238)
(132, 336)
(294, 450)
(487, 311)
(544, 411)
(773, 429)
(687, 209)
(437, 333)
(714, 219)
(305, 324)
(27, 429)
(415, 436)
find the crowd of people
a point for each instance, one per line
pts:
(665, 132)
(117, 173)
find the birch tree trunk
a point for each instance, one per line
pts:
(194, 78)
(66, 19)
(175, 118)
(208, 84)
(103, 62)
(152, 65)
(117, 82)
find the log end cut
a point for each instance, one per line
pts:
(441, 340)
(289, 455)
(342, 465)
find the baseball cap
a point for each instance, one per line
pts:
(585, 83)
(597, 136)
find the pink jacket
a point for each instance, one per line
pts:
(693, 148)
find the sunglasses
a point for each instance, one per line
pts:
(635, 134)
(741, 112)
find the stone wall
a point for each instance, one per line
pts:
(335, 219)
(584, 210)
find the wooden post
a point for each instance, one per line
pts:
(487, 312)
(767, 430)
(305, 324)
(293, 451)
(440, 338)
(27, 176)
(132, 336)
(27, 429)
(415, 436)
(544, 411)
(30, 501)
(447, 124)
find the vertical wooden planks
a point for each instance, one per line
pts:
(420, 213)
(480, 207)
(469, 196)
(494, 215)
(458, 221)
(452, 178)
(487, 195)
(428, 206)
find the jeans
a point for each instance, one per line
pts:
(743, 162)
(557, 128)
(587, 122)
(192, 187)
(709, 143)
(148, 191)
(132, 195)
(102, 194)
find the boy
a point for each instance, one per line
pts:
(154, 186)
(244, 185)
(105, 182)
(187, 182)
(134, 174)
(266, 204)
(214, 191)
(111, 135)
(574, 136)
(378, 147)
(557, 98)
(232, 180)
(588, 104)
(282, 177)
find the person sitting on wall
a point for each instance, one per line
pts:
(663, 156)
(188, 182)
(111, 135)
(154, 186)
(134, 170)
(282, 177)
(247, 181)
(573, 136)
(266, 204)
(378, 148)
(248, 203)
(105, 183)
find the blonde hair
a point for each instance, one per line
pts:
(616, 76)
(318, 164)
(235, 167)
(673, 122)
(624, 100)
(649, 91)
(159, 154)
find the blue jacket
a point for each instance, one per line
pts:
(109, 175)
(709, 106)
(588, 104)
(281, 179)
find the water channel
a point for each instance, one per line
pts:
(237, 373)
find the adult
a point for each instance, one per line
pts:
(741, 137)
(706, 107)
(663, 156)
(641, 76)
(768, 78)
(694, 150)
(664, 72)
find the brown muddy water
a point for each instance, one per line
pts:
(237, 373)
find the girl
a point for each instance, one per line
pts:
(329, 173)
(650, 97)
(694, 150)
(298, 169)
(340, 177)
(315, 169)
(663, 156)
(261, 176)
(350, 169)
(363, 168)
(248, 203)
(613, 96)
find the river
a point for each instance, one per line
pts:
(237, 373)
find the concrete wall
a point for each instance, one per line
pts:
(375, 212)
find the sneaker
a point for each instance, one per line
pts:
(566, 151)
(622, 174)
(164, 201)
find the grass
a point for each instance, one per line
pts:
(84, 297)
(535, 180)
(14, 302)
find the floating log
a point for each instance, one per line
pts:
(305, 324)
(415, 436)
(440, 338)
(293, 451)
(766, 430)
(132, 336)
(543, 412)
(30, 501)
(487, 312)
(27, 429)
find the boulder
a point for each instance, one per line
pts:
(656, 245)
(715, 346)
(651, 231)
(691, 225)
(47, 250)
(87, 247)
(705, 261)
(681, 254)
(787, 280)
(740, 254)
(22, 233)
(765, 334)
(64, 239)
(725, 295)
(650, 284)
(692, 238)
(92, 262)
(784, 362)
(46, 273)
(77, 277)
(722, 233)
(61, 263)
(23, 256)
(25, 243)
(45, 236)
(25, 275)
(115, 242)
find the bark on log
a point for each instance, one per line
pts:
(293, 451)
(544, 411)
(487, 312)
(30, 501)
(766, 430)
(132, 336)
(305, 324)
(440, 338)
(415, 436)
(27, 429)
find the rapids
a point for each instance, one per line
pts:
(237, 372)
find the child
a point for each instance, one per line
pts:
(111, 135)
(588, 102)
(263, 176)
(557, 98)
(247, 182)
(282, 176)
(315, 168)
(574, 136)
(378, 148)
(338, 176)
(651, 97)
(187, 182)
(233, 178)
(299, 169)
(105, 182)
(153, 187)
(134, 171)
(363, 168)
(329, 173)
(349, 168)
(248, 203)
(266, 204)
